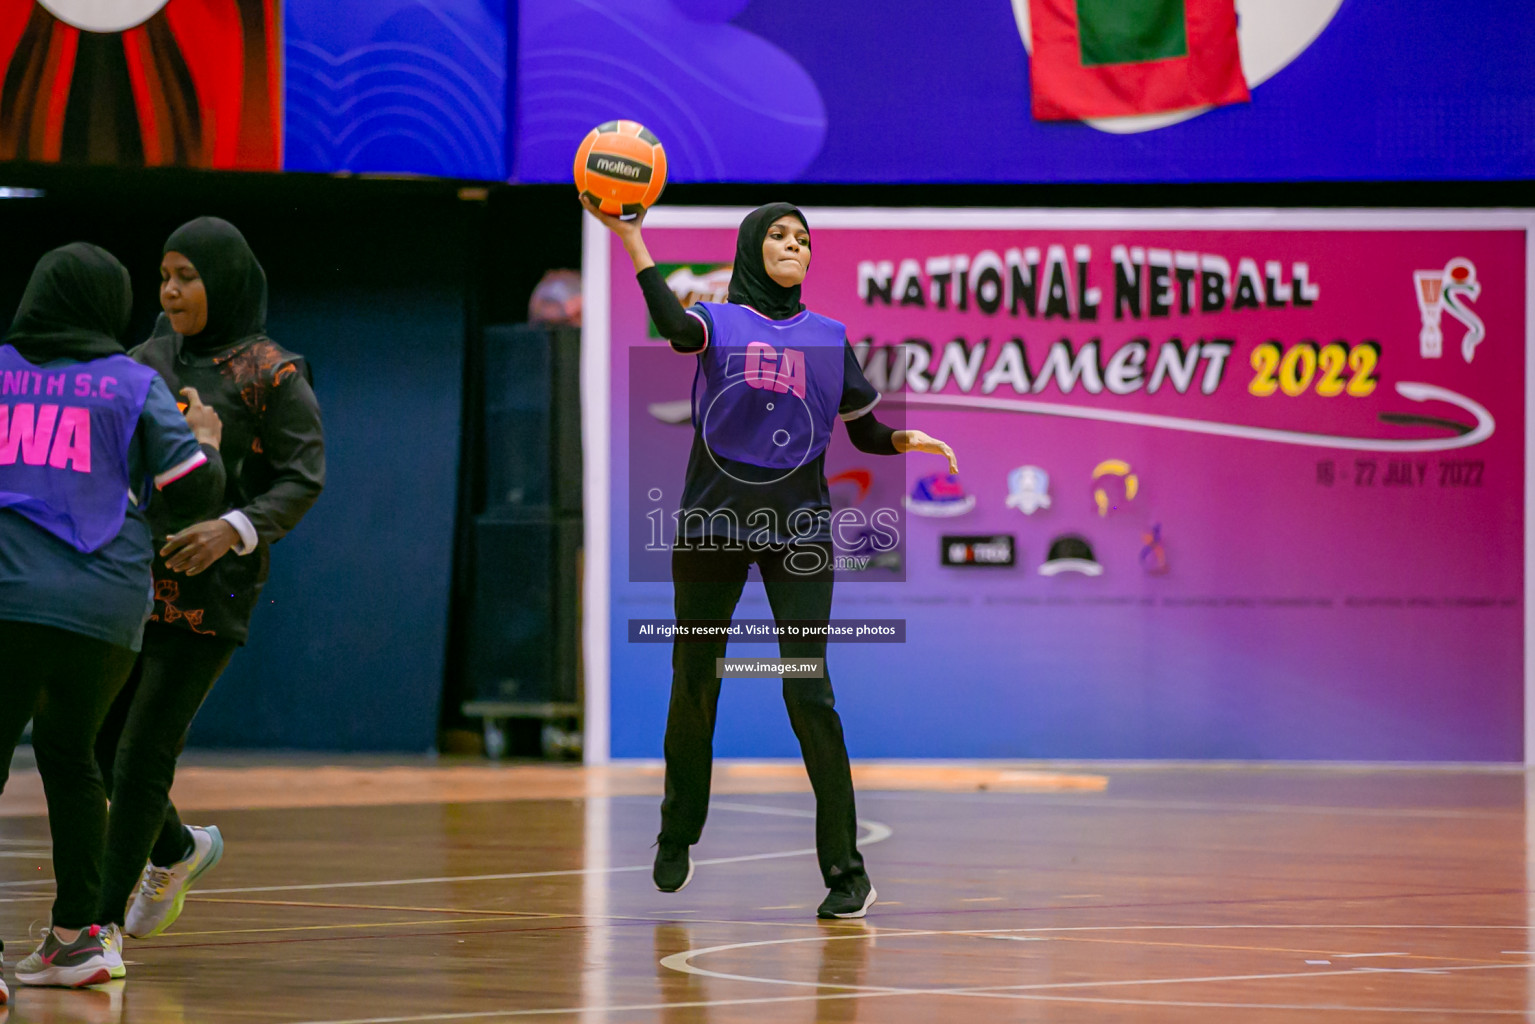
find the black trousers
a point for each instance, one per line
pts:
(64, 682)
(137, 748)
(708, 584)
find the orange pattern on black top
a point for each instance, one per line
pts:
(256, 370)
(168, 592)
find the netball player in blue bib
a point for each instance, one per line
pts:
(89, 439)
(772, 380)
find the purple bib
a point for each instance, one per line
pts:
(767, 391)
(64, 437)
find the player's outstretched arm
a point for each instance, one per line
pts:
(917, 441)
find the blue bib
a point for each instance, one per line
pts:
(64, 437)
(766, 391)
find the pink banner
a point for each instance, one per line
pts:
(1229, 487)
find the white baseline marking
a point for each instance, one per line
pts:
(876, 832)
(886, 993)
(681, 962)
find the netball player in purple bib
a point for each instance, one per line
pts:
(89, 441)
(772, 380)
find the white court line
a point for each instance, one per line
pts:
(886, 993)
(571, 1010)
(876, 832)
(682, 963)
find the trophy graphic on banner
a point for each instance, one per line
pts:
(1448, 289)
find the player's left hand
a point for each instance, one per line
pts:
(917, 441)
(197, 547)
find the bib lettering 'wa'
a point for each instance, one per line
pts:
(64, 437)
(766, 391)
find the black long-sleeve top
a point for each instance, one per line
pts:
(274, 455)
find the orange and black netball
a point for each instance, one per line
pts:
(621, 167)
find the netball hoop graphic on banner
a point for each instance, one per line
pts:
(1448, 291)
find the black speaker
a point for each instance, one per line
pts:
(532, 424)
(524, 636)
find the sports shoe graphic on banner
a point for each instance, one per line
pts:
(1441, 291)
(1070, 553)
(1028, 489)
(939, 494)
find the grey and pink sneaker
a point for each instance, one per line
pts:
(85, 961)
(5, 993)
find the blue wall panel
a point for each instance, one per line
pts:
(396, 86)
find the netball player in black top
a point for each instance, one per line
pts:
(772, 379)
(208, 576)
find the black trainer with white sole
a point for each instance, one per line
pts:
(673, 868)
(850, 898)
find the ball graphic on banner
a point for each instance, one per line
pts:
(103, 15)
(621, 167)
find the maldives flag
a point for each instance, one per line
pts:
(1110, 58)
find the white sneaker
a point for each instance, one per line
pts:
(74, 964)
(163, 891)
(112, 943)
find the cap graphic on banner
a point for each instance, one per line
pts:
(1111, 479)
(1441, 291)
(1028, 489)
(939, 494)
(1070, 553)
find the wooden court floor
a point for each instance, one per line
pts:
(371, 892)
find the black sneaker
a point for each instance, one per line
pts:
(673, 868)
(849, 898)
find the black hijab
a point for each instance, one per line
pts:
(749, 281)
(234, 280)
(76, 306)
